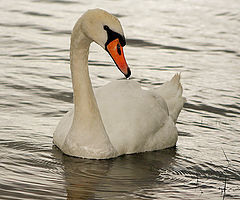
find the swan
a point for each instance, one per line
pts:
(120, 117)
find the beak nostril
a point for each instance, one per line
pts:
(118, 49)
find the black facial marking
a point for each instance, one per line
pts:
(105, 27)
(112, 36)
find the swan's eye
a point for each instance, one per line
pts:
(105, 27)
(118, 49)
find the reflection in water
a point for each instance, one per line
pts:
(89, 179)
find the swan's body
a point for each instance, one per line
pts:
(123, 118)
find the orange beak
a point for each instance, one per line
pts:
(115, 50)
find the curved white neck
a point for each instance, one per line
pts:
(84, 100)
(87, 126)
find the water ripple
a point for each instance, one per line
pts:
(143, 43)
(211, 109)
(57, 1)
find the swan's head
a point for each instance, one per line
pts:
(106, 30)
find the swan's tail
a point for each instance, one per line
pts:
(171, 92)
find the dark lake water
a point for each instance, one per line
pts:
(200, 39)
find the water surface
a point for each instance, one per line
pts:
(200, 39)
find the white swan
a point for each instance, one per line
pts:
(123, 118)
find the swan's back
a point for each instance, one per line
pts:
(135, 119)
